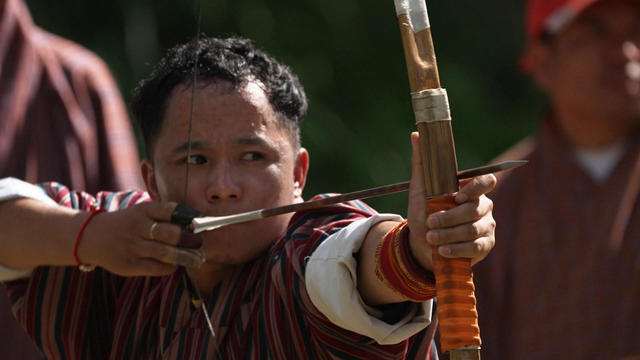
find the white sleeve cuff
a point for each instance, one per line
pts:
(12, 188)
(332, 284)
(9, 274)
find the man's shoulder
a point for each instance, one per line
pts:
(72, 55)
(75, 61)
(511, 181)
(522, 150)
(309, 227)
(333, 212)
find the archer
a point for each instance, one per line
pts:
(330, 282)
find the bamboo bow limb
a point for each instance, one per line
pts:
(458, 318)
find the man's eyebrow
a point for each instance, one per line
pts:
(198, 144)
(195, 145)
(251, 140)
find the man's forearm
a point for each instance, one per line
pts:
(373, 291)
(34, 234)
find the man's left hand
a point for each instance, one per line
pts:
(467, 230)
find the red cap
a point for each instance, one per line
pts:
(552, 15)
(549, 16)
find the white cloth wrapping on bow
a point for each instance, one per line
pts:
(417, 11)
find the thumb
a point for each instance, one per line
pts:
(417, 203)
(416, 185)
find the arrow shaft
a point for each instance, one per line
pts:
(200, 224)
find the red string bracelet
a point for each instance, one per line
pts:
(81, 266)
(398, 270)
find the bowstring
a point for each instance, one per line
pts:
(193, 93)
(190, 278)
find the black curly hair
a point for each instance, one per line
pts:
(233, 59)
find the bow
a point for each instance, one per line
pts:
(458, 318)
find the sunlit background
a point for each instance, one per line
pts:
(349, 57)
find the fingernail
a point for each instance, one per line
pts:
(461, 197)
(190, 240)
(432, 237)
(433, 222)
(444, 250)
(485, 180)
(188, 258)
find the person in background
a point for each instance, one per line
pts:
(62, 119)
(564, 280)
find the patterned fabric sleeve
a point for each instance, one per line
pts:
(68, 313)
(315, 335)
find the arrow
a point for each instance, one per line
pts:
(207, 223)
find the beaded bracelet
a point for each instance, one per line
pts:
(81, 266)
(396, 267)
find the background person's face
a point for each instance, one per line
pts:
(593, 64)
(241, 160)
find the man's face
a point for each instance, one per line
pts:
(593, 65)
(241, 159)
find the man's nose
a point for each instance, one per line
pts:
(631, 49)
(622, 44)
(224, 184)
(631, 54)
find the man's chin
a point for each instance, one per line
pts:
(233, 251)
(225, 261)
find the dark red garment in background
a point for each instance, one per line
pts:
(62, 118)
(563, 281)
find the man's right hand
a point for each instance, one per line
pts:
(34, 234)
(138, 241)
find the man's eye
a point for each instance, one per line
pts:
(195, 160)
(251, 156)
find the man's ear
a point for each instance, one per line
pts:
(300, 172)
(149, 177)
(540, 57)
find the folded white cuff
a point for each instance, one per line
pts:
(332, 283)
(12, 188)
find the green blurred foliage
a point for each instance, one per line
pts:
(349, 56)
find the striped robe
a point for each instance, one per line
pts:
(261, 311)
(563, 281)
